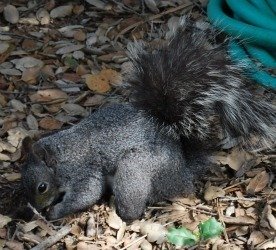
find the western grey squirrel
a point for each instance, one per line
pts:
(150, 146)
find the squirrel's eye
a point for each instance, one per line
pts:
(42, 187)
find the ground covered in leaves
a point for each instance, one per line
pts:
(61, 60)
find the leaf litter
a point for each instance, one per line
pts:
(61, 61)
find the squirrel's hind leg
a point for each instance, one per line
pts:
(132, 186)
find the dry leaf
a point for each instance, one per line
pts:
(239, 220)
(97, 83)
(61, 11)
(30, 75)
(69, 49)
(145, 245)
(271, 244)
(16, 135)
(95, 100)
(80, 35)
(4, 220)
(74, 109)
(27, 63)
(43, 16)
(114, 220)
(91, 227)
(12, 176)
(256, 237)
(112, 76)
(3, 100)
(270, 217)
(213, 192)
(155, 231)
(4, 157)
(85, 246)
(101, 82)
(121, 232)
(49, 123)
(11, 72)
(11, 14)
(258, 183)
(18, 105)
(32, 122)
(5, 146)
(235, 159)
(48, 95)
(15, 245)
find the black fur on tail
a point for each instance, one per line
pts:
(187, 84)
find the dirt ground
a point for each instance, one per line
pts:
(51, 55)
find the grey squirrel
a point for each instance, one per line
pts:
(150, 146)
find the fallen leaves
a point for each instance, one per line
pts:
(49, 123)
(258, 183)
(48, 95)
(11, 14)
(4, 220)
(101, 83)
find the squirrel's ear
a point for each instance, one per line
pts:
(45, 155)
(27, 147)
(38, 151)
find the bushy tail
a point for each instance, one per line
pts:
(188, 85)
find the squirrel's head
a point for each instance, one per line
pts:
(38, 175)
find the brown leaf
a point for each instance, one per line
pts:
(256, 237)
(11, 14)
(80, 35)
(15, 245)
(213, 192)
(113, 77)
(270, 217)
(28, 44)
(4, 220)
(258, 183)
(48, 95)
(94, 100)
(30, 75)
(114, 220)
(239, 220)
(12, 176)
(3, 100)
(235, 159)
(49, 123)
(97, 83)
(155, 231)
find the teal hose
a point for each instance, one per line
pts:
(254, 23)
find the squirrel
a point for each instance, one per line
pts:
(150, 146)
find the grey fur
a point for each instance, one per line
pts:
(117, 141)
(188, 82)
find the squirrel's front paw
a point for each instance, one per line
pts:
(55, 212)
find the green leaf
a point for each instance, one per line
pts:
(70, 62)
(181, 237)
(210, 228)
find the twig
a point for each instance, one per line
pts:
(222, 221)
(20, 36)
(229, 198)
(40, 216)
(134, 242)
(236, 184)
(53, 239)
(151, 18)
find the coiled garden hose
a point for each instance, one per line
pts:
(253, 22)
